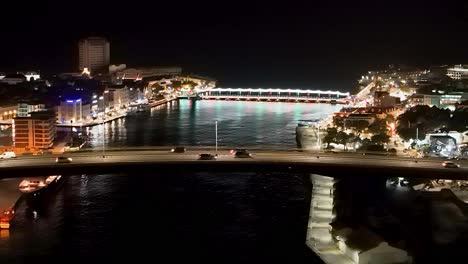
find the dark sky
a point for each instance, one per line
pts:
(285, 44)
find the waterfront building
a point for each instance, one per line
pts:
(25, 109)
(8, 112)
(31, 75)
(137, 74)
(117, 96)
(36, 131)
(73, 111)
(13, 78)
(94, 53)
(199, 81)
(458, 72)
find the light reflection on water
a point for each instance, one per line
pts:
(191, 123)
(187, 216)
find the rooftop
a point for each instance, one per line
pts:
(42, 115)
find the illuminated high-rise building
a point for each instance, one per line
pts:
(94, 53)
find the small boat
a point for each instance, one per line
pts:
(5, 218)
(37, 185)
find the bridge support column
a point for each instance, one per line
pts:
(319, 237)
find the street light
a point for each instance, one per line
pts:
(318, 137)
(103, 138)
(216, 136)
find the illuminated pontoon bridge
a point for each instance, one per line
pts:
(275, 95)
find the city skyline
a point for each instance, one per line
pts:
(259, 44)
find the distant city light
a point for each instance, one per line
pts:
(86, 71)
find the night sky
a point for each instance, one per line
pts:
(289, 44)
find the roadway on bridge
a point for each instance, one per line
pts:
(384, 164)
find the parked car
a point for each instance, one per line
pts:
(449, 164)
(206, 156)
(178, 150)
(62, 159)
(8, 155)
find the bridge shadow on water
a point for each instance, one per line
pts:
(209, 217)
(223, 217)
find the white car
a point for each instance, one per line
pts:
(7, 155)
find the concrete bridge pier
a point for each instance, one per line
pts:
(319, 238)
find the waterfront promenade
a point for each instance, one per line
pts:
(114, 116)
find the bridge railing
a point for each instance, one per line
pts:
(283, 95)
(274, 98)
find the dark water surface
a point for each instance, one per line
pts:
(235, 218)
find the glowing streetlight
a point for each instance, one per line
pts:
(216, 136)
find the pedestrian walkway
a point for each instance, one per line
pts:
(319, 238)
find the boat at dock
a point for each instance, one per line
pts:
(10, 195)
(38, 186)
(139, 108)
(5, 217)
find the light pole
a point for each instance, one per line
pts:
(103, 139)
(318, 137)
(216, 136)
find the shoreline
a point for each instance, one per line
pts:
(123, 115)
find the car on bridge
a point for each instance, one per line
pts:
(449, 164)
(242, 154)
(207, 156)
(234, 151)
(63, 159)
(178, 150)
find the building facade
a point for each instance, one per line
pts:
(94, 53)
(140, 73)
(458, 72)
(117, 97)
(13, 78)
(449, 101)
(24, 109)
(36, 131)
(383, 99)
(8, 112)
(73, 111)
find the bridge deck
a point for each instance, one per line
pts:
(336, 165)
